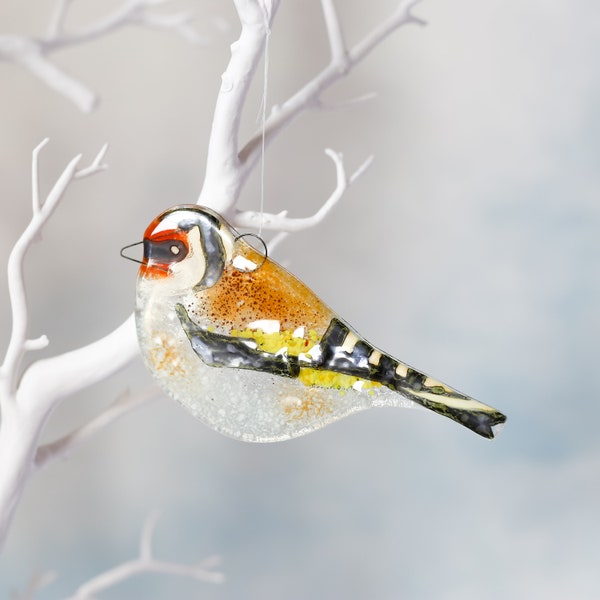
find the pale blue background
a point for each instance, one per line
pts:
(470, 250)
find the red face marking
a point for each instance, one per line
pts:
(161, 250)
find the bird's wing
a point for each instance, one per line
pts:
(342, 351)
(219, 350)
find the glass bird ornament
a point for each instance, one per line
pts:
(252, 352)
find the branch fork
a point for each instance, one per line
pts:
(229, 164)
(42, 210)
(27, 398)
(146, 563)
(32, 53)
(282, 223)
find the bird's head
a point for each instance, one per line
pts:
(186, 247)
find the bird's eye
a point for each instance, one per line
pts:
(164, 252)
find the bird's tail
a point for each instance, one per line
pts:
(442, 399)
(344, 351)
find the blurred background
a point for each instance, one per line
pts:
(469, 249)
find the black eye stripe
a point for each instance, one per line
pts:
(165, 252)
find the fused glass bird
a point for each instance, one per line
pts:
(252, 352)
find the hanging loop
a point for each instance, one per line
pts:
(241, 263)
(129, 257)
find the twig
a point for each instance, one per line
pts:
(132, 12)
(121, 406)
(55, 27)
(145, 563)
(281, 222)
(37, 582)
(342, 62)
(32, 53)
(228, 166)
(337, 45)
(276, 240)
(42, 211)
(350, 103)
(26, 406)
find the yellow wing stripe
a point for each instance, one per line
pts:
(338, 381)
(280, 341)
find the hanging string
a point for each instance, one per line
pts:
(264, 114)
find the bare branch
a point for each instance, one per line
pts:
(32, 53)
(341, 64)
(361, 169)
(276, 240)
(42, 386)
(147, 535)
(351, 103)
(35, 178)
(121, 406)
(36, 583)
(145, 563)
(132, 12)
(222, 179)
(282, 222)
(401, 16)
(337, 45)
(180, 23)
(28, 53)
(95, 166)
(227, 166)
(51, 379)
(25, 408)
(37, 344)
(42, 211)
(55, 27)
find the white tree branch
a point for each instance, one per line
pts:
(32, 53)
(350, 103)
(42, 211)
(145, 563)
(42, 386)
(27, 400)
(121, 406)
(36, 344)
(276, 240)
(36, 583)
(95, 166)
(55, 27)
(228, 166)
(222, 177)
(52, 379)
(342, 62)
(281, 222)
(132, 12)
(337, 45)
(401, 16)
